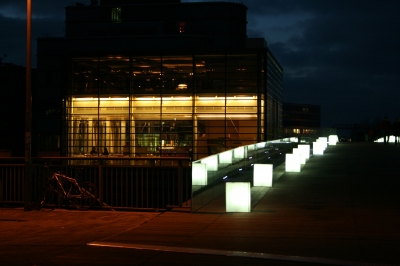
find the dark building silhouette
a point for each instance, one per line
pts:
(157, 77)
(12, 109)
(301, 119)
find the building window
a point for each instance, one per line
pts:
(116, 14)
(161, 106)
(182, 27)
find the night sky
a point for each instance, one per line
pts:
(340, 54)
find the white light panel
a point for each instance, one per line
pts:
(263, 175)
(238, 197)
(292, 163)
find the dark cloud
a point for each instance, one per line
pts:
(341, 55)
(40, 8)
(47, 20)
(12, 39)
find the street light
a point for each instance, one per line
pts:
(28, 107)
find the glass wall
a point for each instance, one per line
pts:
(242, 73)
(180, 105)
(99, 124)
(274, 81)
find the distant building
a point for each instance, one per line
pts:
(157, 77)
(301, 119)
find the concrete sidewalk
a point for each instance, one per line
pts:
(343, 208)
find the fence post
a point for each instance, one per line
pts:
(100, 188)
(180, 183)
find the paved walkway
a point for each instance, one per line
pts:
(343, 208)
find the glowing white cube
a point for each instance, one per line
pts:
(390, 139)
(318, 148)
(333, 139)
(305, 148)
(293, 163)
(302, 156)
(323, 140)
(263, 175)
(199, 174)
(238, 196)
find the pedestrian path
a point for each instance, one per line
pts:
(341, 209)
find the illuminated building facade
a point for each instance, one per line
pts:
(158, 78)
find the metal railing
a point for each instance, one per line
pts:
(125, 183)
(155, 183)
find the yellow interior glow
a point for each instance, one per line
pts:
(230, 115)
(101, 99)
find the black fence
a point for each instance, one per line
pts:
(134, 183)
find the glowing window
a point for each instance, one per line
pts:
(182, 27)
(116, 14)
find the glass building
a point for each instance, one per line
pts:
(156, 78)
